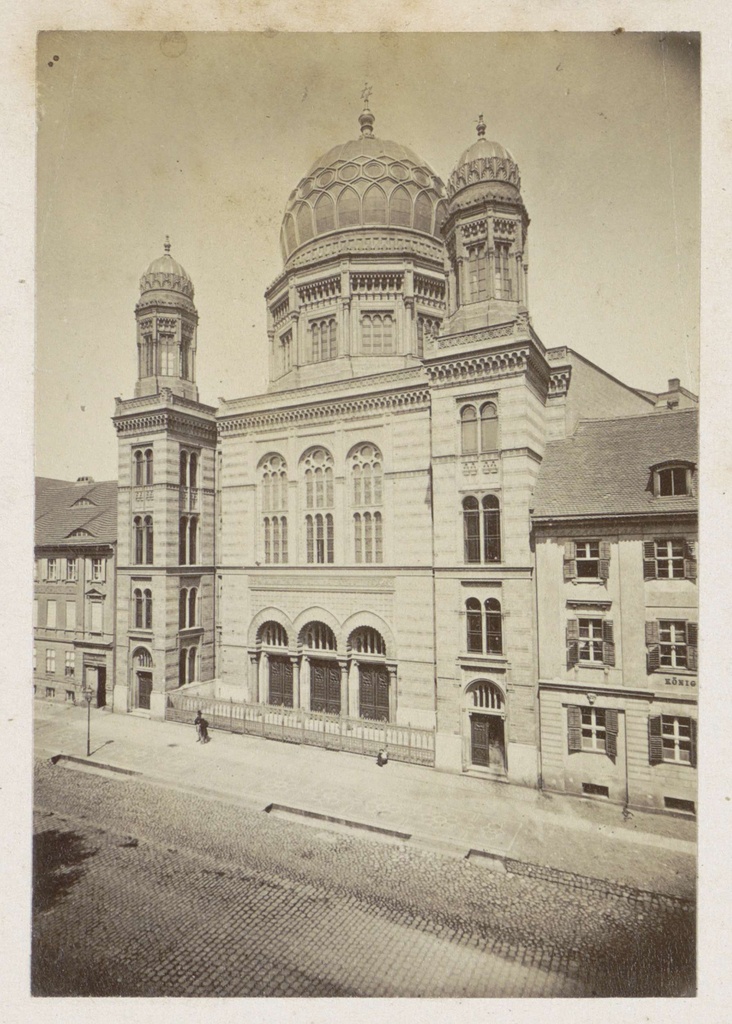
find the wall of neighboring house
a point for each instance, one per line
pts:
(74, 622)
(624, 679)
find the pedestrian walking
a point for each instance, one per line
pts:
(203, 726)
(197, 722)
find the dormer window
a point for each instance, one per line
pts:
(672, 480)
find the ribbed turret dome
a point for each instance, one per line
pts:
(483, 161)
(165, 273)
(367, 182)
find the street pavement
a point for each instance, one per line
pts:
(144, 889)
(443, 812)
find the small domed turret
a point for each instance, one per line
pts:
(166, 274)
(484, 161)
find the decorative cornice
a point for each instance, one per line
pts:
(481, 366)
(507, 330)
(164, 419)
(384, 240)
(358, 405)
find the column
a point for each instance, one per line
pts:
(461, 281)
(253, 694)
(353, 691)
(344, 327)
(295, 680)
(519, 281)
(343, 665)
(305, 683)
(392, 692)
(491, 282)
(263, 678)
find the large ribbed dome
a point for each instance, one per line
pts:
(367, 182)
(165, 273)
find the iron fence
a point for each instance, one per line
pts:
(316, 728)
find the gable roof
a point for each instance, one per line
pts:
(604, 468)
(58, 514)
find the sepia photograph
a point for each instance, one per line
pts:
(365, 625)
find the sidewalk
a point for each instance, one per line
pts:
(451, 814)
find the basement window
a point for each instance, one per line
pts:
(672, 803)
(591, 789)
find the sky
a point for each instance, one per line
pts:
(203, 136)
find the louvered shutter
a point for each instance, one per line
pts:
(611, 733)
(692, 730)
(608, 642)
(603, 565)
(653, 652)
(655, 741)
(574, 729)
(572, 642)
(692, 646)
(690, 571)
(570, 560)
(649, 560)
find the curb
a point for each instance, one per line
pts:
(315, 815)
(58, 758)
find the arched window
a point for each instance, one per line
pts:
(183, 469)
(374, 206)
(192, 606)
(317, 636)
(182, 608)
(503, 275)
(377, 334)
(138, 609)
(192, 664)
(474, 625)
(427, 327)
(491, 529)
(289, 229)
(147, 609)
(400, 208)
(493, 627)
(148, 528)
(148, 466)
(486, 695)
(318, 475)
(367, 490)
(139, 540)
(484, 626)
(367, 640)
(319, 539)
(423, 212)
(182, 665)
(349, 208)
(477, 272)
(324, 214)
(193, 471)
(192, 540)
(468, 430)
(488, 428)
(274, 499)
(182, 540)
(304, 217)
(482, 532)
(272, 634)
(139, 469)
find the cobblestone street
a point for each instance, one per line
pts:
(142, 890)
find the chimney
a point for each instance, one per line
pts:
(85, 480)
(674, 384)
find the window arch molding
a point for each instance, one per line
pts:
(317, 614)
(270, 614)
(486, 695)
(368, 620)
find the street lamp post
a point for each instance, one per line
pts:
(88, 694)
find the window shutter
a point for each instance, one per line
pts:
(653, 653)
(603, 565)
(574, 729)
(655, 742)
(608, 642)
(570, 560)
(572, 642)
(611, 733)
(692, 729)
(692, 646)
(690, 560)
(649, 560)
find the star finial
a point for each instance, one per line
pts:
(366, 118)
(480, 127)
(167, 243)
(365, 94)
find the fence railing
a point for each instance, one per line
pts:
(316, 728)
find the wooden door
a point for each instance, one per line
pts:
(479, 740)
(144, 689)
(101, 687)
(325, 687)
(280, 681)
(373, 692)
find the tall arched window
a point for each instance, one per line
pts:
(192, 664)
(324, 213)
(482, 529)
(142, 601)
(183, 540)
(318, 476)
(377, 334)
(468, 430)
(148, 528)
(183, 608)
(193, 471)
(488, 428)
(374, 206)
(367, 491)
(139, 540)
(192, 606)
(323, 335)
(474, 625)
(148, 466)
(484, 626)
(192, 540)
(477, 273)
(400, 208)
(139, 469)
(349, 208)
(423, 212)
(184, 469)
(274, 499)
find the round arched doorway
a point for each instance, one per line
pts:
(272, 641)
(319, 647)
(142, 665)
(367, 649)
(486, 715)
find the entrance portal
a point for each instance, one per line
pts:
(101, 687)
(487, 744)
(280, 680)
(325, 687)
(373, 692)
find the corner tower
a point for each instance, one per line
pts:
(167, 323)
(165, 511)
(486, 238)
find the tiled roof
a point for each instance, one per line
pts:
(62, 508)
(604, 468)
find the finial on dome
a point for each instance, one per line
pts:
(480, 127)
(366, 118)
(167, 243)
